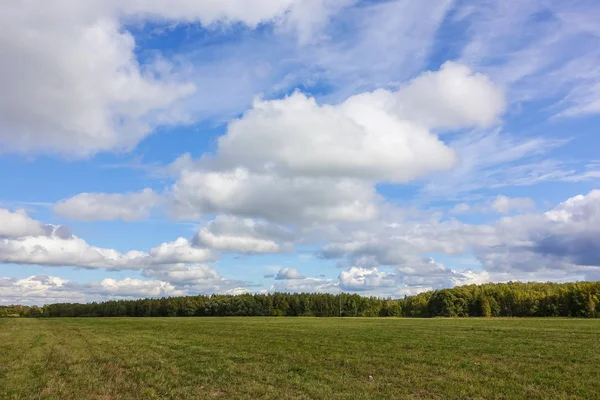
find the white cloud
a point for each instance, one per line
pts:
(107, 207)
(323, 161)
(59, 249)
(412, 290)
(242, 193)
(186, 275)
(243, 235)
(560, 244)
(288, 273)
(17, 224)
(44, 289)
(397, 243)
(564, 238)
(413, 275)
(426, 272)
(237, 291)
(135, 288)
(581, 208)
(172, 264)
(379, 135)
(454, 97)
(72, 84)
(193, 278)
(30, 292)
(34, 290)
(179, 251)
(503, 204)
(357, 139)
(359, 279)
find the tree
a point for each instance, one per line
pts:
(486, 308)
(590, 305)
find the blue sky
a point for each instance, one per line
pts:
(378, 147)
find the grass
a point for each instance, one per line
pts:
(299, 358)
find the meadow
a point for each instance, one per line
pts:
(299, 358)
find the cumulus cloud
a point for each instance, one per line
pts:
(108, 207)
(380, 135)
(58, 247)
(237, 291)
(360, 138)
(134, 288)
(426, 272)
(244, 235)
(564, 238)
(101, 99)
(580, 209)
(558, 244)
(454, 97)
(359, 279)
(34, 290)
(323, 161)
(288, 273)
(71, 81)
(391, 244)
(57, 251)
(412, 276)
(43, 289)
(179, 251)
(182, 274)
(18, 224)
(282, 199)
(172, 280)
(179, 263)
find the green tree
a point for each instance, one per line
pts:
(486, 308)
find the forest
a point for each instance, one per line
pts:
(513, 299)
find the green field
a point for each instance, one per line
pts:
(299, 358)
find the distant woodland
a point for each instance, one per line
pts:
(513, 299)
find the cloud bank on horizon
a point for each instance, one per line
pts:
(164, 148)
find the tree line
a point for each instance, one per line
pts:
(513, 299)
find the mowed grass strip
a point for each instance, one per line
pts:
(299, 358)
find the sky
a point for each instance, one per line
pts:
(165, 148)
